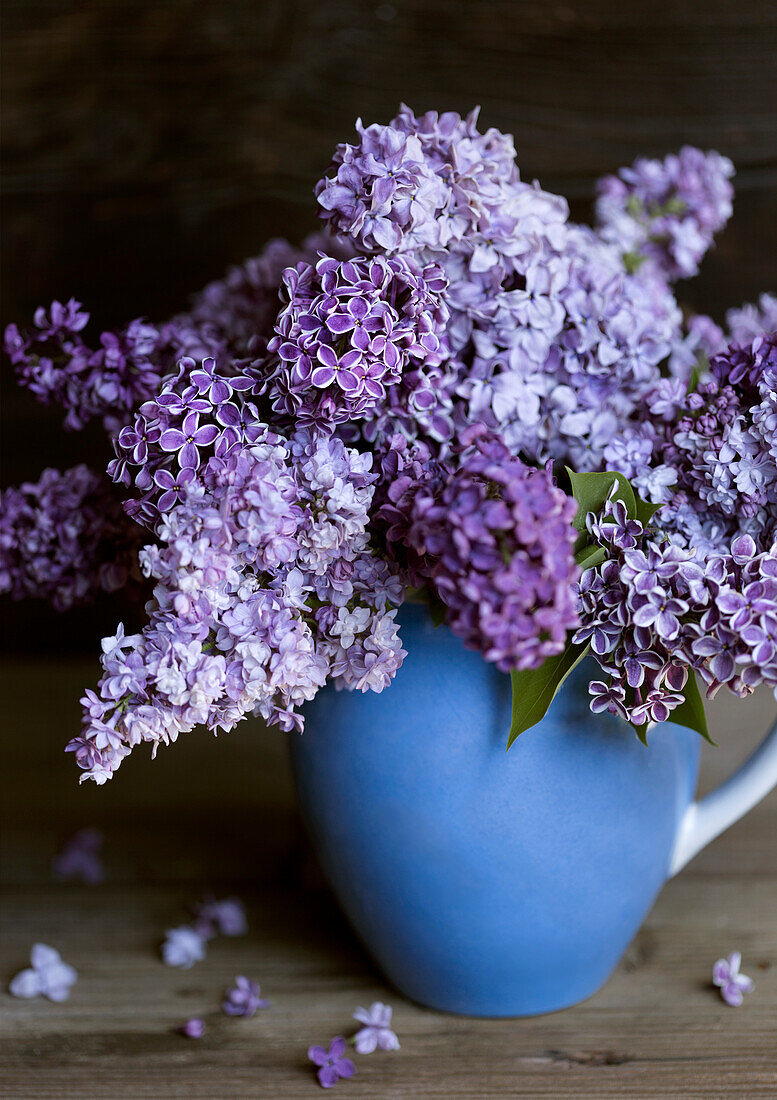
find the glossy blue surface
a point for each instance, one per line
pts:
(483, 882)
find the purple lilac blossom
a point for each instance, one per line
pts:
(500, 539)
(732, 984)
(243, 998)
(552, 343)
(451, 296)
(64, 538)
(376, 1034)
(80, 858)
(199, 413)
(183, 947)
(54, 363)
(349, 332)
(225, 918)
(47, 976)
(666, 212)
(654, 611)
(238, 312)
(710, 457)
(193, 1028)
(265, 587)
(332, 1065)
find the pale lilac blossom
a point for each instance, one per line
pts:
(376, 1034)
(48, 976)
(732, 984)
(183, 947)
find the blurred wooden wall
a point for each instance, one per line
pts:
(147, 145)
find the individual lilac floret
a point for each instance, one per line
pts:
(349, 332)
(732, 984)
(183, 947)
(667, 211)
(80, 857)
(48, 976)
(193, 1028)
(499, 538)
(225, 918)
(332, 1065)
(243, 999)
(64, 538)
(376, 1033)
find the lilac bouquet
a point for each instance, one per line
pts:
(455, 395)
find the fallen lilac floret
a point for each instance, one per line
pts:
(243, 998)
(376, 1033)
(732, 984)
(183, 947)
(48, 976)
(192, 1029)
(332, 1065)
(80, 858)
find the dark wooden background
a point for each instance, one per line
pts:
(147, 145)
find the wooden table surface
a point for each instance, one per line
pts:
(221, 817)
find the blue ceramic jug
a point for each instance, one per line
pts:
(491, 883)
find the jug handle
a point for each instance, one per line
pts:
(706, 819)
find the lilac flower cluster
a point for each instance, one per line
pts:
(710, 456)
(55, 364)
(351, 331)
(667, 211)
(499, 539)
(265, 587)
(382, 408)
(653, 612)
(63, 538)
(200, 413)
(552, 342)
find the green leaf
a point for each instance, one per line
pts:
(690, 713)
(535, 689)
(645, 510)
(590, 556)
(592, 490)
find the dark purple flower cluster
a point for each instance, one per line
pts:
(55, 364)
(352, 331)
(499, 539)
(667, 211)
(63, 538)
(653, 612)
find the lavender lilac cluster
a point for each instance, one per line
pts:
(667, 212)
(264, 587)
(391, 406)
(709, 457)
(63, 538)
(654, 613)
(552, 342)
